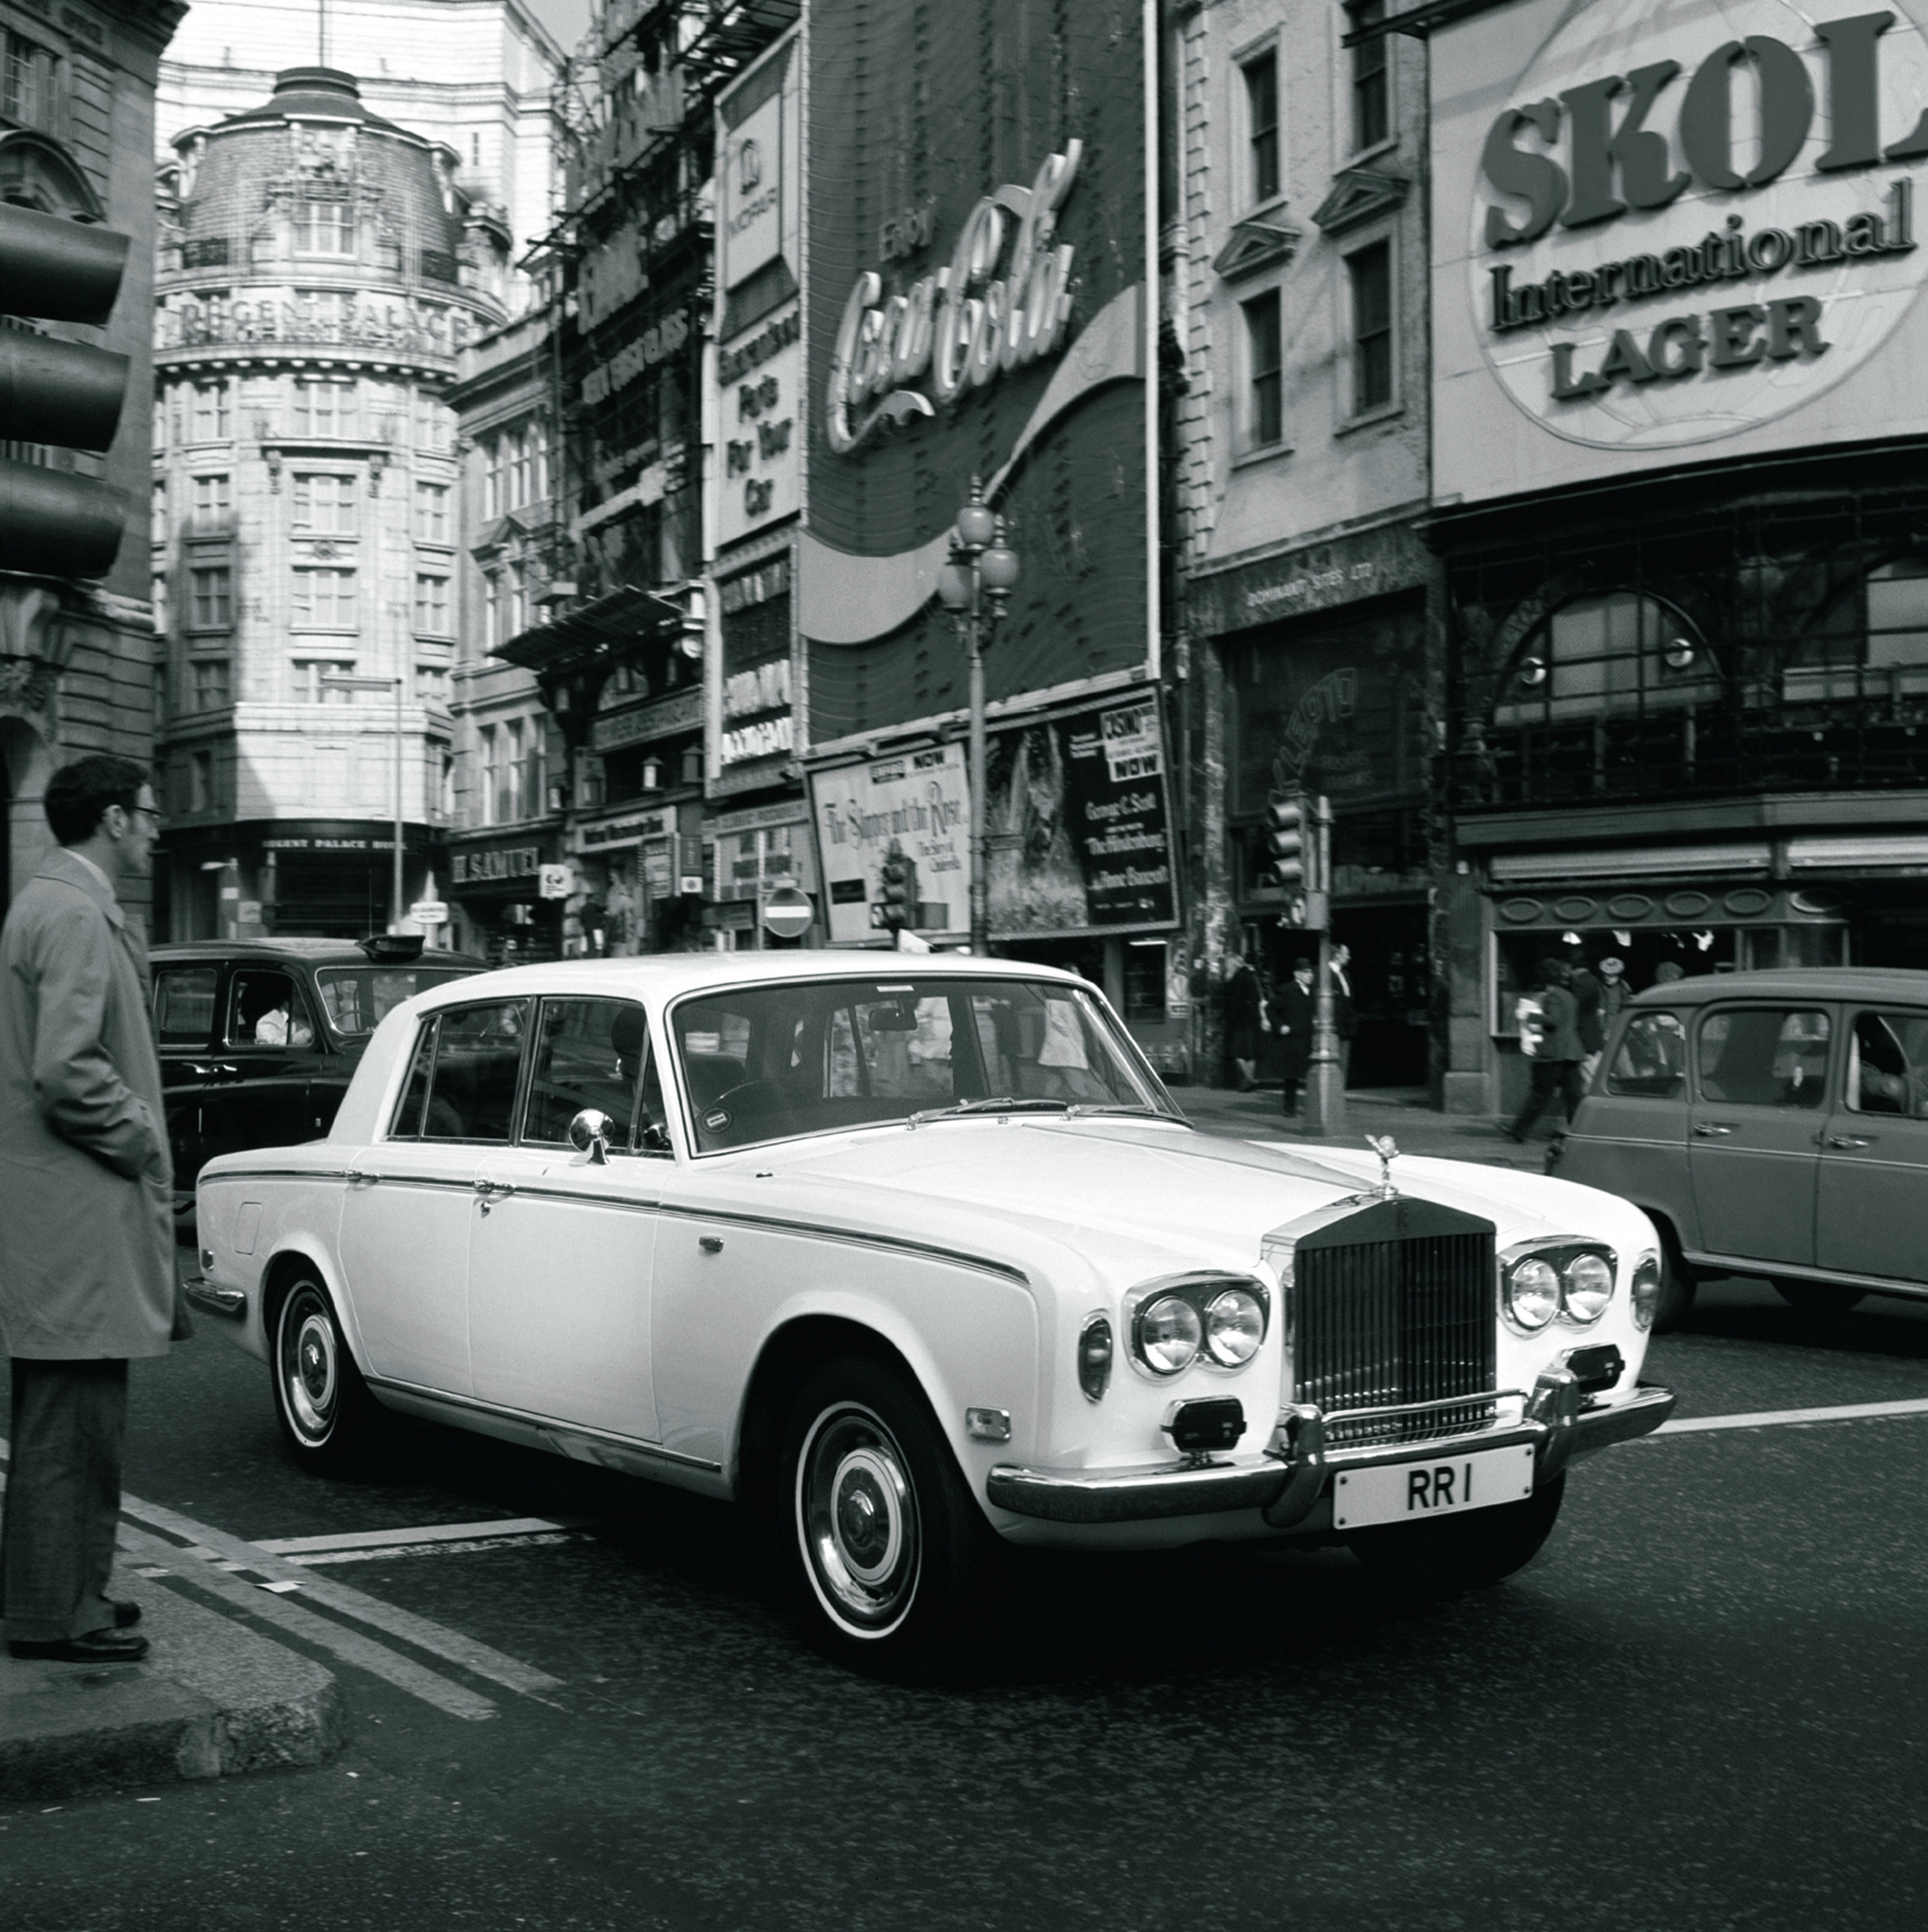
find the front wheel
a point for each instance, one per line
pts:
(328, 1417)
(1461, 1553)
(885, 1536)
(1817, 1298)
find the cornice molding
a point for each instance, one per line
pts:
(1360, 195)
(1261, 241)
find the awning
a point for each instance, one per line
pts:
(600, 634)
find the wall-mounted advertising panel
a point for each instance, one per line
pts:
(975, 226)
(904, 821)
(1673, 231)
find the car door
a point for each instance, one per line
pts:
(1872, 1208)
(185, 1004)
(1761, 1088)
(563, 1245)
(408, 1214)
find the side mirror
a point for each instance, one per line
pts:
(590, 1132)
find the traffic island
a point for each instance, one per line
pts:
(211, 1699)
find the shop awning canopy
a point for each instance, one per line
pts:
(598, 637)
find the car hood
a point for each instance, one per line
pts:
(1109, 1187)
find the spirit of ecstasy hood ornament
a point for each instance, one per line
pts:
(1387, 1149)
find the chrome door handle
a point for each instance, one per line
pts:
(1851, 1140)
(1711, 1130)
(711, 1244)
(487, 1190)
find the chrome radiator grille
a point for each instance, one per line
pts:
(1408, 1319)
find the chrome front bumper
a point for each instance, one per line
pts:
(1288, 1479)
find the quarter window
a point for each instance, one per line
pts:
(1888, 1065)
(1651, 1059)
(184, 1006)
(462, 1084)
(1764, 1056)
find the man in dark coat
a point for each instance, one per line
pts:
(1557, 1052)
(1295, 1030)
(1245, 1019)
(1345, 1014)
(86, 1234)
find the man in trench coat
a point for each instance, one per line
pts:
(86, 1236)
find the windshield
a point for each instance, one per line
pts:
(767, 1062)
(358, 998)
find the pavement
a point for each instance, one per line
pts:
(215, 1697)
(212, 1698)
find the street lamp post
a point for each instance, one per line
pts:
(343, 681)
(982, 568)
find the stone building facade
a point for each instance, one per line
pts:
(77, 659)
(321, 271)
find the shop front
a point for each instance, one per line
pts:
(1327, 694)
(507, 893)
(316, 878)
(631, 887)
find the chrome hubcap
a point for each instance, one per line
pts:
(309, 1364)
(857, 1516)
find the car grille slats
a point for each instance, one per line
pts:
(1380, 1323)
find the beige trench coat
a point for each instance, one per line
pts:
(86, 1219)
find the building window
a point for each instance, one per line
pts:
(210, 605)
(211, 412)
(160, 424)
(431, 603)
(431, 684)
(1370, 275)
(201, 781)
(431, 512)
(494, 477)
(207, 687)
(310, 673)
(1872, 641)
(1262, 116)
(538, 461)
(1266, 420)
(521, 468)
(211, 502)
(161, 607)
(491, 775)
(517, 613)
(1616, 653)
(1372, 98)
(325, 502)
(30, 84)
(324, 228)
(431, 422)
(324, 599)
(492, 609)
(157, 525)
(324, 409)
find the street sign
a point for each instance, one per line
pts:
(553, 882)
(787, 912)
(429, 912)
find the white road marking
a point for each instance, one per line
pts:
(1775, 1418)
(394, 1550)
(439, 1532)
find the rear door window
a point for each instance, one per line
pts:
(1764, 1056)
(184, 1006)
(1888, 1065)
(1650, 1060)
(463, 1080)
(266, 1008)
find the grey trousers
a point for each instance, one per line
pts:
(63, 1499)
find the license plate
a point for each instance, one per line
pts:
(1421, 1491)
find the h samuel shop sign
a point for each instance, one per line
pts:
(1678, 222)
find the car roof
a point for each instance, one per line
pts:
(669, 975)
(312, 952)
(1808, 983)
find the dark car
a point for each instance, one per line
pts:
(259, 1037)
(1769, 1123)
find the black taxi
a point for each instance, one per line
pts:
(1772, 1124)
(258, 1038)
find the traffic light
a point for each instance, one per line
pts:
(898, 882)
(62, 394)
(1288, 836)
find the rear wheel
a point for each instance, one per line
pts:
(887, 1542)
(1461, 1552)
(1817, 1298)
(328, 1417)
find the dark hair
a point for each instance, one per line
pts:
(77, 794)
(1550, 970)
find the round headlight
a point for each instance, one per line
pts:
(1234, 1327)
(1168, 1334)
(1532, 1292)
(1587, 1286)
(1646, 1291)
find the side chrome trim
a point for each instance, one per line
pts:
(554, 1425)
(287, 1174)
(817, 1231)
(1874, 1284)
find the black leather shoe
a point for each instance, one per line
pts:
(126, 1615)
(100, 1646)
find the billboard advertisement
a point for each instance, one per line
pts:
(906, 818)
(975, 306)
(1078, 824)
(1667, 231)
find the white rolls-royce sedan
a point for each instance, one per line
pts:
(917, 1250)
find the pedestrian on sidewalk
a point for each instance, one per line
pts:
(1589, 997)
(1556, 1049)
(1245, 1019)
(1295, 1029)
(87, 1238)
(1345, 1014)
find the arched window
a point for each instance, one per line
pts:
(1872, 639)
(1614, 654)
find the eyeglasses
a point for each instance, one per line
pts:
(152, 811)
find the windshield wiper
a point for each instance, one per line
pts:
(1002, 1104)
(1085, 1109)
